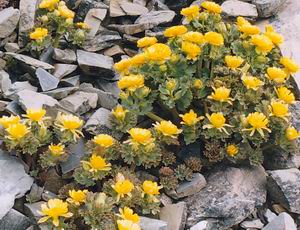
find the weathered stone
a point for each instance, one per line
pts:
(235, 8)
(174, 215)
(11, 47)
(61, 93)
(155, 18)
(267, 8)
(9, 19)
(140, 2)
(231, 195)
(47, 195)
(152, 224)
(35, 193)
(114, 51)
(14, 220)
(131, 29)
(30, 61)
(5, 82)
(14, 182)
(14, 108)
(3, 105)
(110, 87)
(66, 56)
(86, 5)
(47, 54)
(53, 181)
(80, 102)
(17, 87)
(95, 64)
(202, 225)
(115, 9)
(93, 19)
(282, 222)
(62, 70)
(284, 187)
(71, 81)
(102, 40)
(32, 210)
(133, 9)
(165, 200)
(47, 81)
(269, 215)
(252, 224)
(177, 5)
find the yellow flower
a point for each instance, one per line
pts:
(127, 214)
(16, 131)
(276, 74)
(194, 37)
(217, 121)
(171, 84)
(175, 31)
(249, 29)
(77, 197)
(190, 118)
(146, 41)
(289, 64)
(259, 122)
(192, 50)
(212, 7)
(242, 22)
(279, 109)
(167, 128)
(233, 61)
(56, 150)
(140, 136)
(119, 112)
(82, 25)
(96, 163)
(291, 133)
(158, 52)
(48, 4)
(252, 82)
(122, 186)
(191, 12)
(6, 121)
(38, 34)
(123, 65)
(221, 94)
(138, 59)
(263, 43)
(70, 123)
(232, 150)
(54, 209)
(276, 38)
(214, 38)
(127, 225)
(198, 84)
(36, 115)
(151, 188)
(285, 94)
(104, 140)
(65, 11)
(131, 82)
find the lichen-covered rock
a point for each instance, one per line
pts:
(9, 19)
(267, 8)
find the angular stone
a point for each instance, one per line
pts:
(282, 222)
(11, 47)
(269, 215)
(35, 193)
(267, 8)
(231, 195)
(174, 215)
(202, 225)
(140, 2)
(46, 55)
(53, 181)
(14, 220)
(14, 108)
(155, 18)
(47, 81)
(30, 61)
(131, 29)
(115, 9)
(133, 9)
(61, 93)
(14, 182)
(66, 56)
(95, 64)
(5, 82)
(93, 19)
(62, 70)
(32, 209)
(9, 19)
(86, 5)
(3, 105)
(165, 200)
(235, 8)
(114, 51)
(71, 81)
(152, 224)
(80, 102)
(252, 224)
(46, 195)
(284, 187)
(110, 87)
(17, 87)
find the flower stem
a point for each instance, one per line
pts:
(154, 117)
(199, 67)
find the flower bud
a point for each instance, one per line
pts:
(44, 18)
(80, 33)
(171, 84)
(203, 16)
(198, 84)
(163, 68)
(145, 92)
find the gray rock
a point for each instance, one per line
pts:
(14, 182)
(115, 9)
(282, 222)
(133, 9)
(113, 51)
(202, 225)
(269, 215)
(284, 187)
(9, 19)
(155, 18)
(66, 56)
(17, 87)
(61, 93)
(80, 102)
(71, 81)
(235, 8)
(14, 220)
(93, 19)
(47, 81)
(62, 70)
(252, 224)
(47, 195)
(189, 188)
(76, 152)
(5, 82)
(165, 200)
(152, 224)
(46, 55)
(267, 8)
(14, 108)
(231, 195)
(3, 105)
(35, 193)
(11, 47)
(174, 215)
(140, 2)
(95, 64)
(32, 210)
(131, 29)
(102, 40)
(111, 87)
(30, 61)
